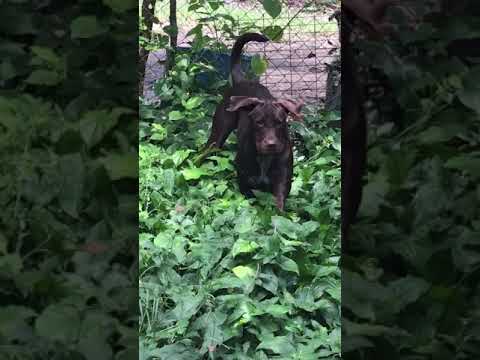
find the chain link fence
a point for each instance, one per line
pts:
(298, 65)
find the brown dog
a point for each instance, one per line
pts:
(264, 158)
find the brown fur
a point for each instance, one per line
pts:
(264, 158)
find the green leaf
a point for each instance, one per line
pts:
(174, 244)
(374, 195)
(84, 27)
(192, 103)
(222, 163)
(276, 310)
(169, 181)
(243, 272)
(48, 55)
(180, 156)
(95, 125)
(175, 115)
(72, 173)
(469, 95)
(279, 345)
(285, 226)
(467, 163)
(187, 306)
(288, 265)
(13, 321)
(274, 32)
(58, 323)
(177, 351)
(95, 331)
(367, 329)
(259, 65)
(465, 253)
(94, 347)
(121, 6)
(10, 265)
(194, 173)
(7, 70)
(210, 323)
(436, 134)
(362, 296)
(44, 77)
(269, 280)
(305, 299)
(242, 246)
(406, 291)
(159, 132)
(272, 7)
(120, 166)
(308, 227)
(215, 5)
(214, 331)
(244, 223)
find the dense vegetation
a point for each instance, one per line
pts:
(226, 277)
(68, 180)
(413, 291)
(222, 277)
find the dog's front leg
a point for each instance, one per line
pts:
(245, 160)
(280, 200)
(245, 187)
(281, 184)
(243, 169)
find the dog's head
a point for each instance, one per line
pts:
(269, 119)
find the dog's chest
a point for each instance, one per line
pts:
(264, 164)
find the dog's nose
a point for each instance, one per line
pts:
(270, 143)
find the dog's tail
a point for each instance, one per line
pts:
(236, 69)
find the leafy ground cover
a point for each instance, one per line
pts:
(413, 292)
(68, 181)
(222, 277)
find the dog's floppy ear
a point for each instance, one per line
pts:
(293, 107)
(238, 102)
